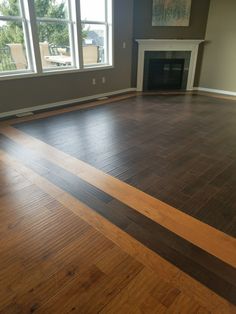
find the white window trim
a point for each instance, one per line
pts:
(29, 22)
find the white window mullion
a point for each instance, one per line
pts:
(34, 38)
(48, 19)
(92, 22)
(72, 34)
(78, 35)
(106, 44)
(26, 32)
(10, 18)
(110, 26)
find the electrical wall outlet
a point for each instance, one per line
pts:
(124, 44)
(94, 81)
(103, 80)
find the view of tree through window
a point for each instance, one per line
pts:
(57, 26)
(11, 32)
(54, 31)
(52, 9)
(12, 45)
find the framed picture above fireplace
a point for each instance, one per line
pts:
(171, 12)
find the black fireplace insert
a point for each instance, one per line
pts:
(164, 74)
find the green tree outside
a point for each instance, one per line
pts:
(54, 33)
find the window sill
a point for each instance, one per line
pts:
(15, 76)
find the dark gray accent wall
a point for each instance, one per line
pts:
(27, 92)
(143, 22)
(143, 28)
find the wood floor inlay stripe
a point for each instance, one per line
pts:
(161, 268)
(209, 270)
(202, 235)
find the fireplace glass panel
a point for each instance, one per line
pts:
(166, 70)
(165, 74)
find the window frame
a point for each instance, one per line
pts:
(30, 28)
(21, 18)
(70, 22)
(108, 36)
(106, 45)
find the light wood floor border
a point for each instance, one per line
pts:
(148, 258)
(198, 233)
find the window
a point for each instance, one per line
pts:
(96, 31)
(55, 24)
(14, 46)
(53, 35)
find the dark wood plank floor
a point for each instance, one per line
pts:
(178, 148)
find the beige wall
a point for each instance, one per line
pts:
(218, 69)
(27, 92)
(143, 26)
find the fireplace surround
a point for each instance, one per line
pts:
(168, 45)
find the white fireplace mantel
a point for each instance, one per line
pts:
(168, 45)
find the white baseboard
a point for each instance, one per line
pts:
(216, 91)
(64, 103)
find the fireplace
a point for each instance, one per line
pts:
(166, 63)
(164, 74)
(165, 70)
